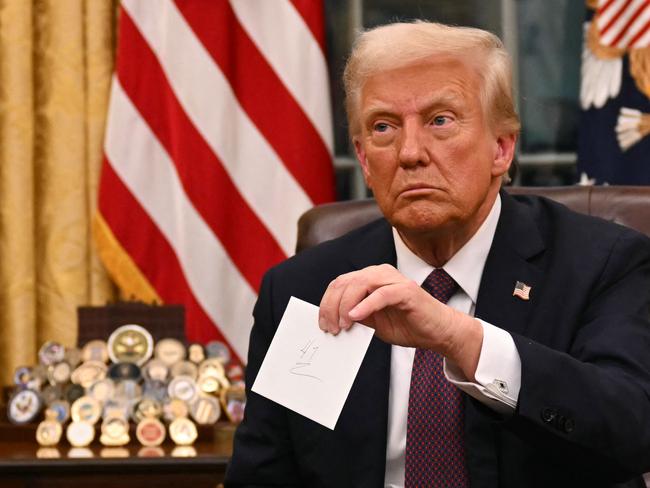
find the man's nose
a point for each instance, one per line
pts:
(414, 145)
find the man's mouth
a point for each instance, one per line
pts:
(415, 190)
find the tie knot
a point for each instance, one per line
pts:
(440, 285)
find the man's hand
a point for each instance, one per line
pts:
(401, 313)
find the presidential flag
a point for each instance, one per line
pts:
(218, 138)
(614, 132)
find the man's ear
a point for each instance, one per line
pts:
(363, 161)
(503, 154)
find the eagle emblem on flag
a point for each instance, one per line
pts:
(614, 130)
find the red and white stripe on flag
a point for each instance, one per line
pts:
(218, 138)
(624, 23)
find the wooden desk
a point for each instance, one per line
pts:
(133, 466)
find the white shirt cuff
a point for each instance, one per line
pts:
(498, 374)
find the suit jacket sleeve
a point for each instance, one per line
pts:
(262, 449)
(589, 405)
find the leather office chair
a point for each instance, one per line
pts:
(626, 205)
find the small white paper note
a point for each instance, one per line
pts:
(309, 371)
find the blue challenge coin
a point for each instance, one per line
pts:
(155, 389)
(62, 409)
(125, 371)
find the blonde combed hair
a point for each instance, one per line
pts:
(402, 44)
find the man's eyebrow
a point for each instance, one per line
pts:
(377, 110)
(447, 99)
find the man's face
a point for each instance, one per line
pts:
(426, 149)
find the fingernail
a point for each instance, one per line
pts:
(321, 324)
(353, 313)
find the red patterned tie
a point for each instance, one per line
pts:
(435, 450)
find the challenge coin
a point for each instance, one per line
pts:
(195, 353)
(205, 410)
(72, 356)
(156, 370)
(184, 368)
(146, 408)
(102, 390)
(128, 390)
(156, 390)
(48, 432)
(73, 392)
(115, 432)
(183, 431)
(51, 352)
(175, 408)
(183, 387)
(233, 402)
(80, 434)
(130, 344)
(51, 393)
(24, 406)
(212, 367)
(208, 384)
(88, 373)
(96, 350)
(86, 409)
(62, 409)
(124, 371)
(169, 351)
(234, 373)
(23, 375)
(218, 350)
(116, 408)
(59, 373)
(150, 432)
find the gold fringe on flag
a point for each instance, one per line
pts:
(125, 273)
(644, 125)
(592, 4)
(640, 69)
(600, 51)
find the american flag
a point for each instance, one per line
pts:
(218, 138)
(624, 23)
(522, 290)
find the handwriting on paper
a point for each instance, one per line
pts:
(302, 366)
(307, 370)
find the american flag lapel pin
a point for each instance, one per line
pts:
(522, 290)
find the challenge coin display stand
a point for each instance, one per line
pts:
(134, 405)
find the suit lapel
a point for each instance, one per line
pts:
(364, 419)
(517, 241)
(375, 246)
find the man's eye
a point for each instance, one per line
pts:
(381, 127)
(440, 120)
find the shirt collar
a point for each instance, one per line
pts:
(465, 267)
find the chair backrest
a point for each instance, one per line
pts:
(626, 205)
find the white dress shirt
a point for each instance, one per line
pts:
(498, 374)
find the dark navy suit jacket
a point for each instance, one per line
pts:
(583, 416)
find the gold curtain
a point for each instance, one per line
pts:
(56, 61)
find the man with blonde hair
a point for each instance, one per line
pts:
(512, 335)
